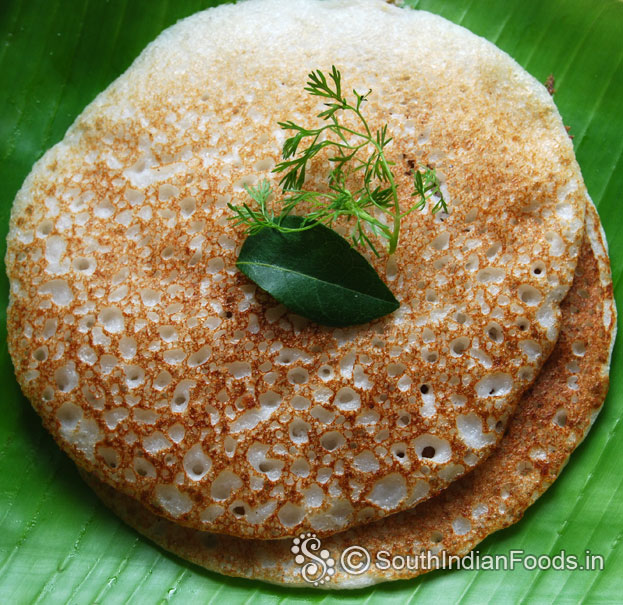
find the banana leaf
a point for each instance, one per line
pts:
(59, 545)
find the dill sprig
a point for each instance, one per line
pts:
(355, 152)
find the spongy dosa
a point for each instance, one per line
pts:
(159, 367)
(551, 421)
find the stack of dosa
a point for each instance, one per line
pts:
(201, 407)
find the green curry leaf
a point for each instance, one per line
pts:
(316, 274)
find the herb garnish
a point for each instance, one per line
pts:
(378, 188)
(316, 273)
(357, 156)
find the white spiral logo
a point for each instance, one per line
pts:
(355, 560)
(319, 568)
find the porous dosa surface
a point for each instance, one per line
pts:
(162, 369)
(551, 420)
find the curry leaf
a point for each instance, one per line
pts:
(316, 274)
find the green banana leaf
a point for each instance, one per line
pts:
(59, 545)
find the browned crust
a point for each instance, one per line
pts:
(516, 198)
(530, 457)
